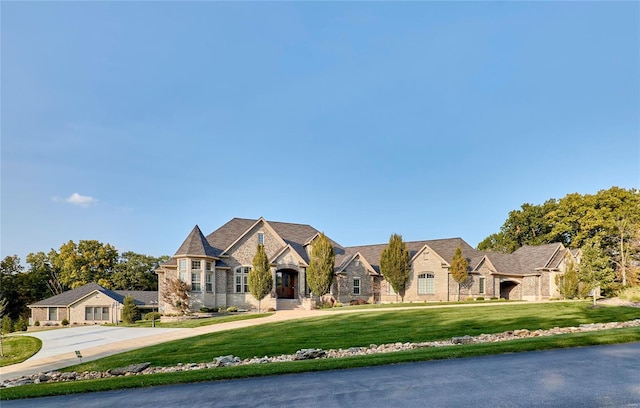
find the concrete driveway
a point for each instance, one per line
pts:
(68, 340)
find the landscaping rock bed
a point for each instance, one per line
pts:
(307, 354)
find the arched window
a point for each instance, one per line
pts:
(426, 284)
(242, 279)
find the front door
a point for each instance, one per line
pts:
(286, 282)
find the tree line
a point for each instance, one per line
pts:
(605, 226)
(69, 267)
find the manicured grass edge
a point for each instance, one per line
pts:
(26, 345)
(614, 336)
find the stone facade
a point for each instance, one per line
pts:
(527, 274)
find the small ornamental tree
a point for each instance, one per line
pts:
(395, 264)
(320, 270)
(260, 279)
(177, 294)
(459, 266)
(130, 312)
(568, 283)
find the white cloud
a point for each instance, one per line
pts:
(83, 201)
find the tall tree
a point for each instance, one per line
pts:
(595, 269)
(321, 264)
(459, 269)
(260, 279)
(136, 272)
(85, 262)
(394, 264)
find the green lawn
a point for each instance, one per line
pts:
(363, 329)
(16, 349)
(207, 321)
(353, 329)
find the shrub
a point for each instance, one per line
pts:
(337, 304)
(271, 309)
(632, 294)
(152, 316)
(494, 298)
(356, 302)
(20, 325)
(222, 309)
(469, 299)
(7, 325)
(130, 312)
(232, 309)
(480, 298)
(36, 323)
(65, 322)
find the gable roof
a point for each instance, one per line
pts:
(295, 235)
(528, 259)
(196, 244)
(68, 298)
(445, 248)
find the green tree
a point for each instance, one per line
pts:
(459, 269)
(568, 282)
(136, 272)
(394, 264)
(609, 219)
(130, 312)
(10, 270)
(85, 262)
(260, 279)
(3, 306)
(595, 269)
(321, 264)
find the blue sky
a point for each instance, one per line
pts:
(131, 122)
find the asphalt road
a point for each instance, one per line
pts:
(600, 376)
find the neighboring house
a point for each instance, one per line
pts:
(90, 304)
(216, 267)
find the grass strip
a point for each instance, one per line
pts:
(603, 337)
(17, 349)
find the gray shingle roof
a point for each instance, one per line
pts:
(444, 247)
(295, 235)
(196, 244)
(534, 257)
(141, 298)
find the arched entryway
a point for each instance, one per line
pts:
(287, 284)
(508, 289)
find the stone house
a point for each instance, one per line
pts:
(216, 268)
(89, 304)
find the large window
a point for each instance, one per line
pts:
(183, 276)
(96, 313)
(426, 284)
(209, 265)
(182, 265)
(356, 286)
(209, 283)
(196, 282)
(53, 313)
(242, 279)
(481, 285)
(197, 265)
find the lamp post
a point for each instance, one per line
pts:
(153, 312)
